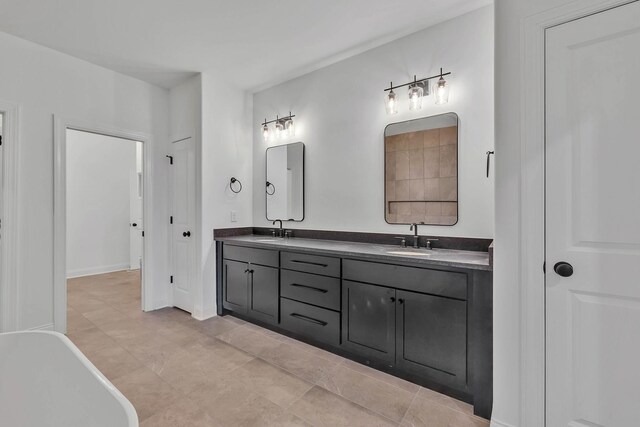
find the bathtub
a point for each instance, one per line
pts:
(46, 381)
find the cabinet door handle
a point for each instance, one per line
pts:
(308, 319)
(393, 299)
(319, 264)
(311, 288)
(248, 271)
(401, 301)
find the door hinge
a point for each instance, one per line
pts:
(0, 140)
(544, 267)
(143, 234)
(170, 159)
(171, 279)
(171, 219)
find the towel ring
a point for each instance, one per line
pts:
(233, 181)
(271, 185)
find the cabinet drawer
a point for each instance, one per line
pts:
(316, 264)
(311, 288)
(254, 256)
(436, 282)
(316, 323)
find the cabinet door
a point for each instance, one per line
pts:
(432, 337)
(368, 320)
(236, 290)
(264, 293)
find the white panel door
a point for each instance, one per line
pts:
(184, 218)
(593, 220)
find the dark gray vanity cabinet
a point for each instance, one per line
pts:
(368, 320)
(263, 293)
(310, 296)
(431, 337)
(235, 286)
(415, 322)
(418, 333)
(250, 281)
(430, 324)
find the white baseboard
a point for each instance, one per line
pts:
(496, 423)
(47, 327)
(205, 314)
(158, 306)
(90, 271)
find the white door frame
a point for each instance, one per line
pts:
(9, 193)
(532, 205)
(60, 126)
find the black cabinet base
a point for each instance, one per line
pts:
(481, 405)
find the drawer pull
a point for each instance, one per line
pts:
(319, 264)
(308, 319)
(322, 291)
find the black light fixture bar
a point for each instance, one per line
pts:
(278, 119)
(391, 87)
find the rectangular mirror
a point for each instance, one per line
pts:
(285, 182)
(421, 171)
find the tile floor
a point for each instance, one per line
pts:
(177, 371)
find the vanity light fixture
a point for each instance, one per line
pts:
(289, 127)
(279, 128)
(283, 126)
(418, 89)
(391, 101)
(441, 90)
(416, 93)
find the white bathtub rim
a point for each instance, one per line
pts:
(132, 415)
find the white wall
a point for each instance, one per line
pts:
(45, 82)
(340, 117)
(218, 115)
(99, 170)
(226, 152)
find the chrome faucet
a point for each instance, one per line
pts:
(416, 238)
(279, 229)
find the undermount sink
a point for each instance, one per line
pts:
(269, 239)
(409, 253)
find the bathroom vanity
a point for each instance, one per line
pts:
(423, 315)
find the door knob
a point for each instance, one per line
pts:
(134, 225)
(186, 234)
(563, 269)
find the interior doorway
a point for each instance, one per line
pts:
(104, 225)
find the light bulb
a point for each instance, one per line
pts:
(391, 102)
(290, 129)
(265, 131)
(441, 91)
(279, 129)
(416, 92)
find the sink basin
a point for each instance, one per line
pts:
(268, 239)
(410, 253)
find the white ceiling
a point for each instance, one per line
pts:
(252, 43)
